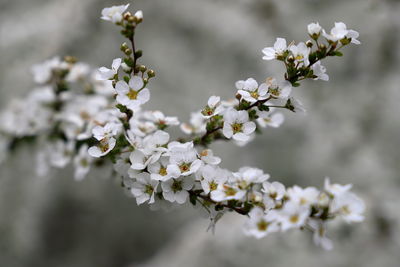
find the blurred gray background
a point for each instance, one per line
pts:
(198, 48)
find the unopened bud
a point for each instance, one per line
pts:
(138, 16)
(128, 51)
(142, 68)
(127, 15)
(309, 43)
(131, 19)
(123, 47)
(70, 59)
(138, 53)
(151, 73)
(322, 46)
(290, 59)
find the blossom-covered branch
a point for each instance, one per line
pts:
(89, 118)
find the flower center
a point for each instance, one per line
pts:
(204, 153)
(262, 225)
(237, 127)
(274, 91)
(132, 94)
(176, 186)
(254, 94)
(294, 218)
(346, 209)
(148, 189)
(163, 171)
(84, 162)
(229, 191)
(213, 185)
(84, 115)
(184, 167)
(303, 201)
(207, 111)
(104, 146)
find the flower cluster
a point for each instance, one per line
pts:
(83, 117)
(66, 106)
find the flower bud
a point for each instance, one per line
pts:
(127, 15)
(151, 73)
(138, 16)
(70, 59)
(309, 43)
(128, 51)
(290, 59)
(123, 47)
(131, 19)
(142, 68)
(138, 53)
(322, 46)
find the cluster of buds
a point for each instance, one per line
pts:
(107, 122)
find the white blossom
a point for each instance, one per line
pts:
(132, 95)
(314, 29)
(260, 224)
(274, 190)
(349, 207)
(106, 73)
(227, 191)
(158, 169)
(246, 176)
(211, 177)
(103, 148)
(319, 71)
(82, 162)
(237, 125)
(292, 215)
(280, 90)
(213, 107)
(197, 124)
(303, 196)
(296, 105)
(250, 91)
(183, 159)
(300, 53)
(160, 119)
(336, 189)
(274, 52)
(319, 236)
(176, 190)
(144, 188)
(266, 119)
(207, 156)
(114, 13)
(60, 153)
(340, 32)
(42, 72)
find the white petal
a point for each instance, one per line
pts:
(116, 64)
(181, 196)
(136, 83)
(122, 87)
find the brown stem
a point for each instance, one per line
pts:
(208, 199)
